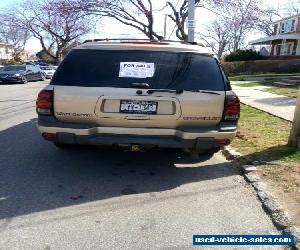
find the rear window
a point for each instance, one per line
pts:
(160, 70)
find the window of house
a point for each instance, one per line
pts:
(287, 26)
(287, 49)
(282, 28)
(293, 25)
(284, 49)
(277, 49)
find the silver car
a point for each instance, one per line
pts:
(48, 71)
(139, 95)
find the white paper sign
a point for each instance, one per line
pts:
(136, 69)
(191, 24)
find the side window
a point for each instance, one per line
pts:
(36, 69)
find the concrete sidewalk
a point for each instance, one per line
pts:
(278, 105)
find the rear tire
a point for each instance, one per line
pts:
(43, 77)
(24, 80)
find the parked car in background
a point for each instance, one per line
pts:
(139, 95)
(48, 71)
(21, 74)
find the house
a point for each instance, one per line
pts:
(285, 40)
(6, 51)
(23, 55)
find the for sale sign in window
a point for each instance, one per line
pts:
(136, 69)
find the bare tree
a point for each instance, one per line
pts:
(139, 14)
(235, 20)
(54, 23)
(179, 15)
(243, 16)
(179, 18)
(12, 33)
(135, 13)
(292, 8)
(265, 23)
(218, 36)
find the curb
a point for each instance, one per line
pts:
(230, 153)
(272, 207)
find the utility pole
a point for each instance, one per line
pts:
(191, 20)
(165, 27)
(294, 140)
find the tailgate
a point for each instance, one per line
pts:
(102, 106)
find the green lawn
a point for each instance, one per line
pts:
(267, 141)
(264, 137)
(241, 77)
(290, 92)
(254, 84)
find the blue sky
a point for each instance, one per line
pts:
(108, 28)
(6, 3)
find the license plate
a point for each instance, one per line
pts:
(138, 107)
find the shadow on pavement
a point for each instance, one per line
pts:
(36, 176)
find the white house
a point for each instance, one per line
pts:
(6, 51)
(285, 40)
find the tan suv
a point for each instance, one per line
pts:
(139, 94)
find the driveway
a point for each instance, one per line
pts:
(102, 198)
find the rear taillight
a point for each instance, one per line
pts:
(44, 102)
(231, 108)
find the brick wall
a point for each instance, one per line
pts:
(298, 25)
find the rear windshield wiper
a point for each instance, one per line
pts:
(151, 91)
(203, 91)
(140, 85)
(180, 91)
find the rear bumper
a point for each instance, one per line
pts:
(166, 138)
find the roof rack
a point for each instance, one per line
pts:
(139, 40)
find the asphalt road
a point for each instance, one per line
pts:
(97, 198)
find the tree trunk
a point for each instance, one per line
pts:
(221, 49)
(294, 140)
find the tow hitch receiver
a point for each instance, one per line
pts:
(136, 148)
